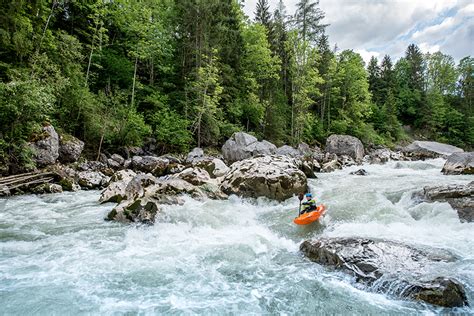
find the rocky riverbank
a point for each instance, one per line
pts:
(246, 167)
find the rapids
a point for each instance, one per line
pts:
(59, 256)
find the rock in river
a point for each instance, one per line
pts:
(274, 177)
(460, 197)
(390, 267)
(424, 149)
(459, 163)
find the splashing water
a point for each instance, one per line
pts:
(58, 256)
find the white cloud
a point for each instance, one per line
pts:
(389, 26)
(366, 55)
(428, 48)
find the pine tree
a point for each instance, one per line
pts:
(307, 20)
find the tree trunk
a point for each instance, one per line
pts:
(100, 146)
(134, 80)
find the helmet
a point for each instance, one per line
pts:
(308, 195)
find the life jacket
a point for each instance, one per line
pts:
(310, 203)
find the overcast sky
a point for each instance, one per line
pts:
(378, 27)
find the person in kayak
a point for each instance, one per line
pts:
(309, 205)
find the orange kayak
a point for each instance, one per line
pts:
(308, 218)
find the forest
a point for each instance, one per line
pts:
(189, 73)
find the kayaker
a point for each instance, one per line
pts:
(309, 205)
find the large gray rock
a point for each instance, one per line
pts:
(46, 147)
(155, 165)
(289, 151)
(116, 189)
(390, 267)
(345, 145)
(195, 176)
(144, 194)
(196, 153)
(460, 197)
(91, 179)
(274, 177)
(459, 163)
(242, 146)
(70, 149)
(47, 188)
(214, 166)
(425, 149)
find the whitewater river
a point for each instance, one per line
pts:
(58, 255)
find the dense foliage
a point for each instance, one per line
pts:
(191, 72)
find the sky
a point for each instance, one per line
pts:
(379, 27)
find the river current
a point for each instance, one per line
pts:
(58, 256)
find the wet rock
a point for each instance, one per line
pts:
(116, 188)
(46, 147)
(141, 210)
(345, 145)
(4, 191)
(91, 179)
(242, 146)
(70, 149)
(425, 150)
(69, 184)
(460, 197)
(144, 194)
(155, 165)
(47, 188)
(390, 267)
(346, 161)
(360, 172)
(459, 163)
(274, 177)
(331, 166)
(309, 166)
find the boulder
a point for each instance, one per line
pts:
(215, 167)
(345, 145)
(459, 163)
(116, 188)
(70, 149)
(47, 188)
(144, 194)
(92, 166)
(91, 179)
(242, 146)
(390, 267)
(195, 176)
(141, 210)
(289, 151)
(155, 165)
(116, 161)
(195, 154)
(69, 184)
(46, 147)
(460, 197)
(360, 172)
(113, 164)
(274, 177)
(425, 149)
(346, 161)
(331, 166)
